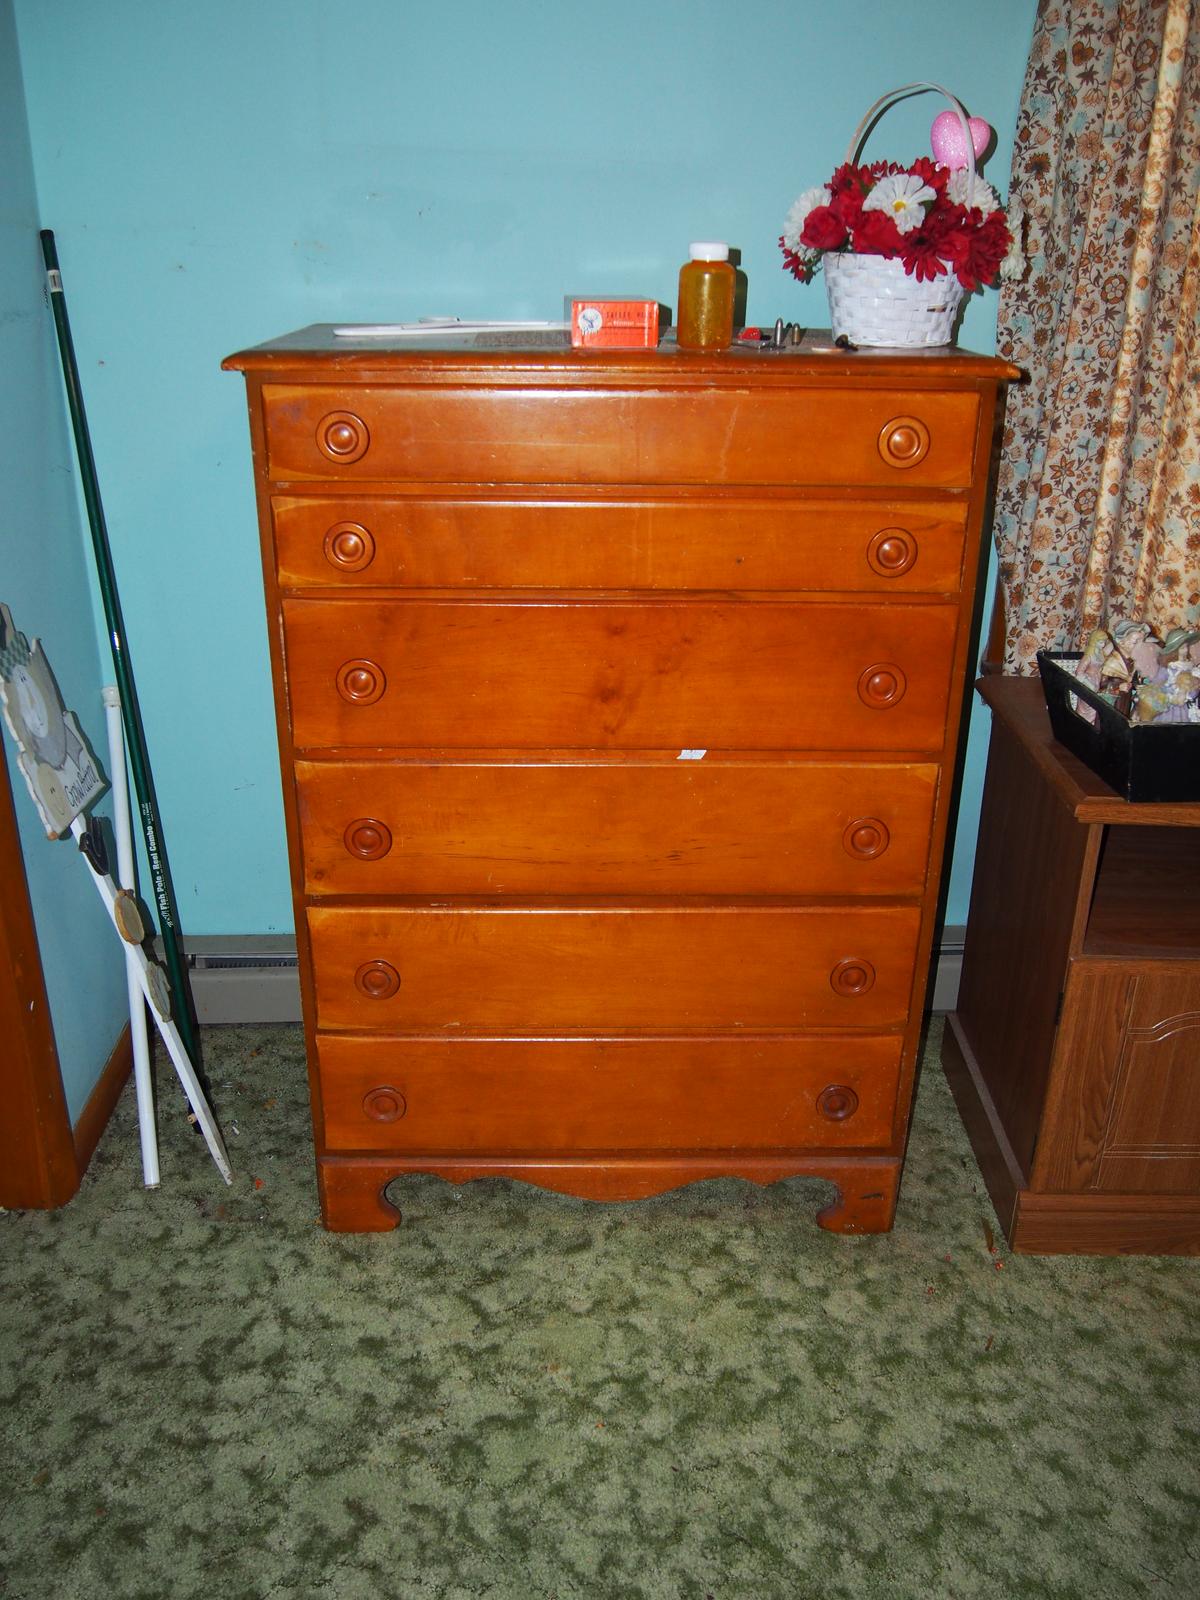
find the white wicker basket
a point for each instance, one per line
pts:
(872, 300)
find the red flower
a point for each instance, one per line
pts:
(823, 229)
(919, 254)
(848, 186)
(976, 247)
(847, 205)
(931, 172)
(926, 250)
(875, 234)
(849, 176)
(798, 265)
(942, 219)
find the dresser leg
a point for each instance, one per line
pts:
(867, 1199)
(352, 1195)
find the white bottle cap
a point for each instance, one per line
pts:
(709, 251)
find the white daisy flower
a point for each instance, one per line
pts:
(902, 195)
(798, 215)
(981, 195)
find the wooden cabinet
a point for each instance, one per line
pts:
(618, 698)
(1074, 1052)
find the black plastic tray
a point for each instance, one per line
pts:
(1139, 762)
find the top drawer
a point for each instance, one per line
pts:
(859, 437)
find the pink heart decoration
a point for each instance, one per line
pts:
(949, 143)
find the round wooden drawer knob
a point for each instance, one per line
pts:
(882, 685)
(343, 437)
(891, 552)
(386, 1104)
(367, 839)
(361, 682)
(378, 980)
(866, 838)
(904, 441)
(851, 977)
(349, 546)
(837, 1102)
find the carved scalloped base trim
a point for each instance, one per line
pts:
(353, 1198)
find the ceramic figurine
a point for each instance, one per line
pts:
(1148, 679)
(1097, 648)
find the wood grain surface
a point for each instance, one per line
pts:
(655, 966)
(1074, 1047)
(693, 541)
(686, 435)
(618, 697)
(713, 674)
(738, 827)
(608, 1094)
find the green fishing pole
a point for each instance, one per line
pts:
(135, 738)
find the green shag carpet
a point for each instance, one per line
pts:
(529, 1397)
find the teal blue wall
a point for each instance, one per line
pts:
(45, 583)
(222, 172)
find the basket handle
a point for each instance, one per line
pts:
(885, 100)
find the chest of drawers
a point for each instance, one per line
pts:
(618, 699)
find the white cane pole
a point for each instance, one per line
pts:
(139, 1033)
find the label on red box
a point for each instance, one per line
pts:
(604, 321)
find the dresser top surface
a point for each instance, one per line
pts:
(815, 358)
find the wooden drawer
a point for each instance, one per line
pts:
(701, 435)
(643, 674)
(593, 827)
(611, 968)
(889, 546)
(558, 1095)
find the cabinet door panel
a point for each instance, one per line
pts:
(1152, 1143)
(1123, 1111)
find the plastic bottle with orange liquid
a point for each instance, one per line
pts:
(706, 287)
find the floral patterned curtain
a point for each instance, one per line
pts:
(1098, 500)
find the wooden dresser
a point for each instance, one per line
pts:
(618, 698)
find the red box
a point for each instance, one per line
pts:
(611, 322)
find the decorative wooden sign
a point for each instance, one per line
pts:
(60, 770)
(64, 778)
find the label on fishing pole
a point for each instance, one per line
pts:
(54, 279)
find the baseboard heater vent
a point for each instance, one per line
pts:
(947, 974)
(244, 978)
(238, 963)
(254, 977)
